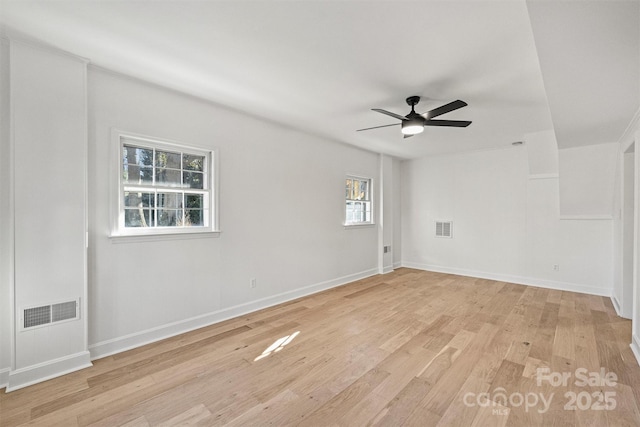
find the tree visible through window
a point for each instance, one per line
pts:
(164, 187)
(358, 201)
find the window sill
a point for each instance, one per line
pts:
(355, 226)
(152, 237)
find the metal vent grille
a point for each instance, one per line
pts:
(444, 229)
(47, 314)
(37, 316)
(63, 311)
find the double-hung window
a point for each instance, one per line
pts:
(164, 188)
(358, 201)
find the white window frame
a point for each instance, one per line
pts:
(371, 221)
(210, 227)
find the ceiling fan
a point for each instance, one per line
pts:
(414, 123)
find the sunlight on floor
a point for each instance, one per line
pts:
(277, 346)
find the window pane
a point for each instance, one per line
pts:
(348, 188)
(349, 213)
(193, 217)
(193, 179)
(366, 214)
(138, 217)
(169, 200)
(193, 201)
(168, 177)
(136, 162)
(169, 217)
(138, 200)
(167, 159)
(364, 190)
(134, 174)
(192, 163)
(137, 156)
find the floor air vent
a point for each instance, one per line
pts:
(47, 314)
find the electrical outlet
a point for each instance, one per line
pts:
(252, 282)
(556, 267)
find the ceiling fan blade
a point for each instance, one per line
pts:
(407, 136)
(376, 127)
(444, 109)
(389, 113)
(451, 123)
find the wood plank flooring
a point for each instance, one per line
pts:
(408, 348)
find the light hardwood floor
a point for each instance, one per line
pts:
(406, 348)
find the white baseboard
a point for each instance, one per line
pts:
(128, 342)
(397, 264)
(520, 280)
(4, 377)
(47, 370)
(635, 347)
(616, 304)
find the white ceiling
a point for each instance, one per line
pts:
(321, 66)
(589, 53)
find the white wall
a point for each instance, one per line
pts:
(587, 181)
(506, 223)
(281, 216)
(582, 248)
(5, 226)
(483, 193)
(542, 153)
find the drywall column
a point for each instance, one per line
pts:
(48, 205)
(396, 210)
(5, 226)
(385, 218)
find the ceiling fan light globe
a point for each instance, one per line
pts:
(410, 127)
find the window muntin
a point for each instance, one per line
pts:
(164, 188)
(358, 201)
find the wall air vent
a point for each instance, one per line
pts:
(444, 229)
(33, 317)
